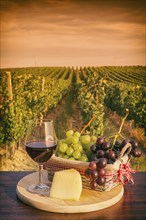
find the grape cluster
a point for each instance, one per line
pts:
(102, 154)
(104, 149)
(75, 146)
(96, 173)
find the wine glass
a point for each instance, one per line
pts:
(41, 144)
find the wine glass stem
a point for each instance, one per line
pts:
(40, 174)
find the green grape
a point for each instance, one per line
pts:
(65, 156)
(69, 140)
(77, 134)
(78, 147)
(93, 138)
(83, 158)
(77, 154)
(75, 140)
(85, 139)
(69, 151)
(69, 133)
(71, 158)
(61, 141)
(60, 154)
(63, 147)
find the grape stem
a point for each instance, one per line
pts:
(120, 129)
(88, 124)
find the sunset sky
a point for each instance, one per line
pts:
(72, 32)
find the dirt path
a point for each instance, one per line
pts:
(66, 115)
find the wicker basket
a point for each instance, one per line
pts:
(117, 172)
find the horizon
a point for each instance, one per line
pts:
(72, 33)
(74, 67)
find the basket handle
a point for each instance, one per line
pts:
(128, 147)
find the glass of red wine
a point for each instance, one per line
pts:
(41, 144)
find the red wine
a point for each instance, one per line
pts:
(39, 151)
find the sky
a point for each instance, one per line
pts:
(72, 33)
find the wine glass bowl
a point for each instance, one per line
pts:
(40, 145)
(39, 151)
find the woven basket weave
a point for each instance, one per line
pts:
(112, 170)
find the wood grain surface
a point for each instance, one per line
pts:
(90, 200)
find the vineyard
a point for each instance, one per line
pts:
(29, 93)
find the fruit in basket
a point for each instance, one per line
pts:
(103, 153)
(69, 133)
(69, 151)
(63, 147)
(102, 162)
(105, 149)
(105, 145)
(134, 143)
(92, 165)
(96, 173)
(78, 147)
(77, 134)
(85, 139)
(100, 140)
(101, 181)
(75, 146)
(136, 152)
(77, 154)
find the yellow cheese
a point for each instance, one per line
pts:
(67, 184)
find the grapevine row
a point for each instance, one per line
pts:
(36, 90)
(90, 98)
(32, 96)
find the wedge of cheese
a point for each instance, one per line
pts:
(67, 185)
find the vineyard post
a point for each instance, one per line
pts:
(9, 84)
(43, 84)
(10, 91)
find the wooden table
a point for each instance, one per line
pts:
(131, 206)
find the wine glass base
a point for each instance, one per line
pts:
(39, 189)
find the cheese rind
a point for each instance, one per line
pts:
(67, 185)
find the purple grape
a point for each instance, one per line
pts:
(102, 163)
(92, 165)
(136, 152)
(105, 145)
(94, 158)
(98, 147)
(134, 143)
(117, 152)
(101, 181)
(100, 140)
(111, 155)
(93, 184)
(110, 161)
(100, 154)
(93, 148)
(87, 173)
(93, 174)
(117, 145)
(101, 172)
